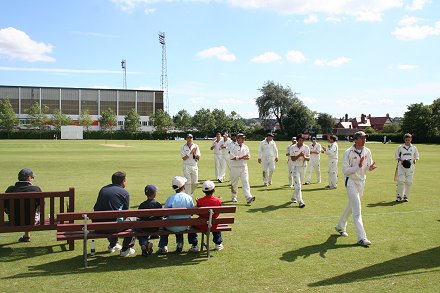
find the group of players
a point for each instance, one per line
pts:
(233, 153)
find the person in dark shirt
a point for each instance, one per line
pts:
(24, 184)
(150, 203)
(114, 197)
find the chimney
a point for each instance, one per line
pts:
(346, 117)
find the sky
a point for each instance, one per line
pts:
(340, 56)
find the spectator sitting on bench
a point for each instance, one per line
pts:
(209, 200)
(178, 200)
(114, 197)
(150, 203)
(24, 184)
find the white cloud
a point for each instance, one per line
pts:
(416, 5)
(295, 56)
(221, 53)
(333, 19)
(198, 101)
(312, 18)
(149, 11)
(362, 10)
(409, 30)
(332, 63)
(406, 66)
(267, 57)
(16, 44)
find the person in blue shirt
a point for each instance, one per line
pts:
(178, 200)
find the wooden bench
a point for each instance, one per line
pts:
(51, 204)
(86, 226)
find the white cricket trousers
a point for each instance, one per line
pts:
(404, 180)
(219, 166)
(191, 173)
(333, 173)
(355, 190)
(240, 173)
(314, 165)
(268, 166)
(298, 177)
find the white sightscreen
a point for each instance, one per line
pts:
(72, 132)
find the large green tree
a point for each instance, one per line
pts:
(299, 119)
(182, 120)
(85, 119)
(108, 120)
(8, 118)
(37, 115)
(132, 121)
(275, 101)
(237, 123)
(161, 120)
(204, 121)
(436, 114)
(325, 122)
(222, 121)
(418, 121)
(59, 119)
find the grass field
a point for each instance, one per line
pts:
(274, 246)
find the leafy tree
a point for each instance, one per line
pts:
(326, 122)
(108, 120)
(418, 121)
(59, 119)
(391, 128)
(161, 120)
(237, 123)
(436, 114)
(132, 121)
(204, 121)
(275, 101)
(182, 120)
(8, 119)
(85, 119)
(38, 116)
(222, 121)
(369, 130)
(299, 119)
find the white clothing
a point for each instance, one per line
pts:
(267, 153)
(190, 167)
(355, 182)
(314, 162)
(332, 153)
(218, 159)
(289, 165)
(239, 169)
(405, 176)
(298, 169)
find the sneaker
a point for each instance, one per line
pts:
(150, 248)
(127, 252)
(291, 186)
(398, 198)
(147, 249)
(307, 183)
(144, 250)
(405, 199)
(294, 200)
(112, 249)
(179, 247)
(218, 247)
(194, 248)
(364, 242)
(234, 199)
(302, 205)
(341, 232)
(24, 238)
(250, 199)
(162, 250)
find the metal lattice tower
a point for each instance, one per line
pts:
(164, 76)
(124, 71)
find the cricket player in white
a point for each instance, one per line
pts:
(299, 154)
(239, 155)
(218, 158)
(357, 160)
(225, 155)
(289, 162)
(332, 153)
(315, 161)
(267, 156)
(190, 154)
(405, 170)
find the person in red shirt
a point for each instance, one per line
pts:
(209, 200)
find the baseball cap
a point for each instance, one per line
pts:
(208, 185)
(359, 134)
(269, 134)
(178, 181)
(241, 135)
(25, 173)
(150, 189)
(313, 138)
(189, 135)
(293, 137)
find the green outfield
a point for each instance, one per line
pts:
(274, 246)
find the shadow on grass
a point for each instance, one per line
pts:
(315, 189)
(9, 254)
(383, 204)
(104, 262)
(270, 208)
(322, 249)
(426, 259)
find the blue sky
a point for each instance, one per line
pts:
(342, 56)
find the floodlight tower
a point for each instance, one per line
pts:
(124, 70)
(164, 76)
